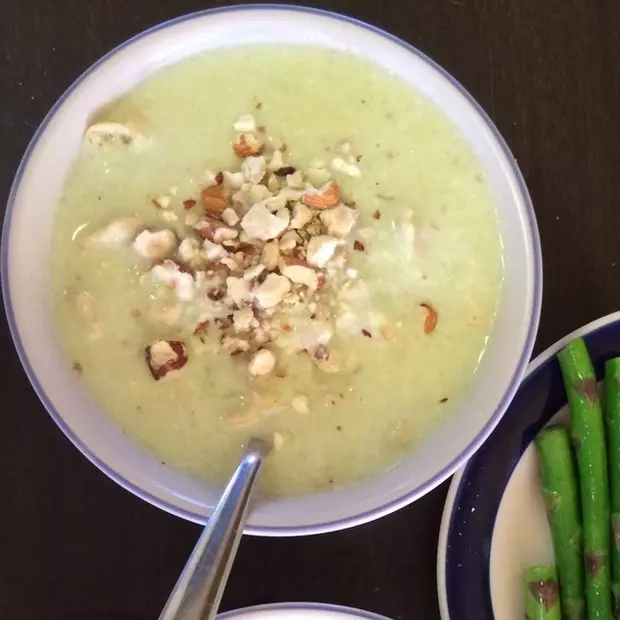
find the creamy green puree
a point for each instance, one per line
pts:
(361, 362)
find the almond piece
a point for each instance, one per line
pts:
(162, 202)
(301, 403)
(320, 249)
(213, 200)
(300, 274)
(215, 230)
(260, 223)
(245, 123)
(272, 291)
(229, 216)
(262, 363)
(248, 144)
(165, 356)
(254, 169)
(155, 245)
(340, 165)
(430, 318)
(326, 197)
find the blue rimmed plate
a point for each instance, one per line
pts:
(494, 521)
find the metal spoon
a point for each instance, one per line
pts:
(198, 592)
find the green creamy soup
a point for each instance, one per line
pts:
(345, 372)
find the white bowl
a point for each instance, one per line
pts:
(27, 290)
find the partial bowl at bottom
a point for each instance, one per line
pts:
(299, 611)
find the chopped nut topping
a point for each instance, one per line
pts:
(430, 318)
(162, 202)
(376, 214)
(267, 269)
(272, 291)
(341, 165)
(229, 216)
(165, 357)
(254, 169)
(339, 221)
(320, 249)
(284, 171)
(262, 363)
(271, 255)
(213, 200)
(101, 134)
(301, 275)
(260, 223)
(248, 144)
(301, 404)
(278, 440)
(243, 318)
(245, 123)
(118, 232)
(326, 197)
(155, 245)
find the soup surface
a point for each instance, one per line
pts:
(344, 353)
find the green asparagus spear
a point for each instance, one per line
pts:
(588, 436)
(560, 490)
(612, 414)
(542, 597)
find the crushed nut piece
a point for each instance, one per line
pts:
(165, 357)
(245, 123)
(254, 169)
(320, 249)
(326, 197)
(162, 202)
(262, 363)
(272, 290)
(213, 200)
(301, 403)
(248, 144)
(339, 221)
(301, 275)
(155, 245)
(243, 318)
(229, 216)
(271, 255)
(341, 165)
(430, 318)
(260, 223)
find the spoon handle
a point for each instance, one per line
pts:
(199, 589)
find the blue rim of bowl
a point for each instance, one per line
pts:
(353, 520)
(354, 614)
(474, 498)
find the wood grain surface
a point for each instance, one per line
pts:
(73, 545)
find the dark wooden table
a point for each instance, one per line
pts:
(73, 545)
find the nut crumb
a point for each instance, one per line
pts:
(366, 333)
(376, 214)
(359, 246)
(78, 368)
(430, 318)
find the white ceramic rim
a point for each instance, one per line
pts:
(302, 611)
(400, 501)
(448, 509)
